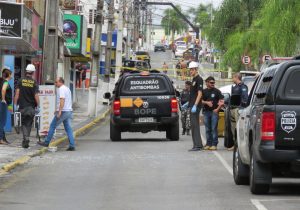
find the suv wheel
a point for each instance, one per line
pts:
(173, 132)
(115, 133)
(240, 170)
(260, 176)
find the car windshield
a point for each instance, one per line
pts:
(142, 53)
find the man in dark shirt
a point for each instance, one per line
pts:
(28, 100)
(185, 112)
(195, 105)
(238, 99)
(212, 101)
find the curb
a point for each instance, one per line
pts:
(22, 160)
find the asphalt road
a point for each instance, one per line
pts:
(142, 172)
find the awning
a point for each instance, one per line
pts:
(16, 46)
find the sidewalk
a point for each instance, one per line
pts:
(80, 118)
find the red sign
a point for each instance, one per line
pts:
(246, 60)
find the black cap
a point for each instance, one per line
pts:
(210, 78)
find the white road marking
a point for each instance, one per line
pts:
(258, 205)
(223, 161)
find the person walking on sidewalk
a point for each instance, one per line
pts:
(212, 101)
(6, 102)
(238, 99)
(195, 105)
(63, 114)
(28, 100)
(185, 112)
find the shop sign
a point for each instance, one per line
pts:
(47, 103)
(10, 20)
(67, 4)
(74, 30)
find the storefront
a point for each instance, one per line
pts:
(18, 44)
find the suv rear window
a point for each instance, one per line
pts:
(292, 88)
(145, 84)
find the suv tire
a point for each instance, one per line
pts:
(260, 176)
(240, 170)
(115, 133)
(173, 132)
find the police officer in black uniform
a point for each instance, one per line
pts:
(239, 99)
(28, 100)
(185, 112)
(195, 105)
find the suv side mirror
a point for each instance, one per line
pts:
(177, 93)
(107, 95)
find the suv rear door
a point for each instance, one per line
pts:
(146, 96)
(288, 109)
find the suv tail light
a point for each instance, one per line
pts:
(174, 105)
(117, 107)
(268, 126)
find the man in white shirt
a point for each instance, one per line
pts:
(63, 114)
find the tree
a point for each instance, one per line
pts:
(173, 23)
(202, 16)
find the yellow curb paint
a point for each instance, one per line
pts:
(21, 161)
(17, 162)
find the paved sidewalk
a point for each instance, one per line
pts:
(80, 118)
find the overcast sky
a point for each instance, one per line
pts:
(185, 5)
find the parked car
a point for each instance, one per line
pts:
(268, 131)
(159, 47)
(144, 102)
(226, 127)
(132, 65)
(142, 55)
(180, 50)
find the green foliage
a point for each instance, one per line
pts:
(173, 23)
(255, 28)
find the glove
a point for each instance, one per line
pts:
(37, 110)
(194, 109)
(16, 107)
(184, 106)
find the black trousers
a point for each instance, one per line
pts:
(27, 120)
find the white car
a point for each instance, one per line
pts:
(179, 51)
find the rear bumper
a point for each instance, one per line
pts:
(159, 49)
(268, 154)
(129, 124)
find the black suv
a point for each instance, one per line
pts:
(159, 47)
(144, 102)
(268, 131)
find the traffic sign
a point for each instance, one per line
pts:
(266, 58)
(246, 60)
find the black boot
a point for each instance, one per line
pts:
(188, 132)
(183, 131)
(25, 144)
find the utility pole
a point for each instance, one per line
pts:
(129, 30)
(136, 7)
(96, 52)
(108, 50)
(50, 45)
(119, 41)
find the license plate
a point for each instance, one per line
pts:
(146, 120)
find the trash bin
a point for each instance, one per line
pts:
(221, 125)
